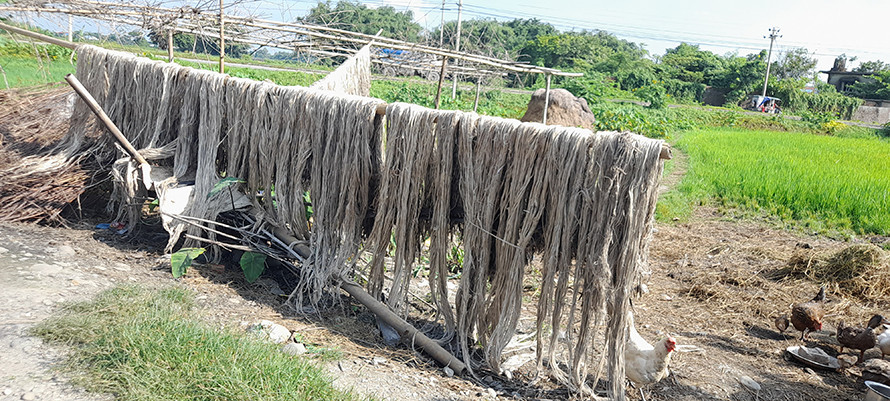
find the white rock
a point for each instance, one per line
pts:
(279, 334)
(294, 349)
(2, 251)
(448, 371)
(6, 391)
(491, 392)
(65, 251)
(749, 383)
(29, 396)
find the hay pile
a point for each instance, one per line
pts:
(38, 184)
(509, 189)
(862, 271)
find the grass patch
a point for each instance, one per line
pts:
(141, 344)
(28, 71)
(823, 182)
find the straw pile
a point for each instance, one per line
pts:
(353, 77)
(858, 270)
(37, 185)
(507, 188)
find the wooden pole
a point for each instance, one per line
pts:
(35, 35)
(408, 333)
(170, 46)
(70, 29)
(94, 106)
(478, 87)
(441, 80)
(460, 7)
(222, 41)
(546, 99)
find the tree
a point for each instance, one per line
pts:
(690, 64)
(878, 88)
(741, 75)
(186, 42)
(872, 66)
(360, 18)
(794, 63)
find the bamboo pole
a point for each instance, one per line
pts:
(170, 46)
(478, 88)
(441, 80)
(222, 41)
(94, 106)
(546, 99)
(38, 36)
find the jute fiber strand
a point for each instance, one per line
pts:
(353, 77)
(345, 134)
(417, 173)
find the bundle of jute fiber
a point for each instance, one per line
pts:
(417, 174)
(353, 77)
(345, 134)
(614, 222)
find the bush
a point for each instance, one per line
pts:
(655, 94)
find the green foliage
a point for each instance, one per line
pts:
(655, 94)
(825, 182)
(690, 64)
(141, 344)
(879, 88)
(826, 101)
(186, 42)
(223, 184)
(253, 264)
(872, 66)
(795, 63)
(182, 259)
(361, 18)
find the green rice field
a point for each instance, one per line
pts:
(28, 71)
(826, 182)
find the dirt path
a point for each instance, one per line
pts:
(39, 269)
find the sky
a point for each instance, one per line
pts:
(825, 28)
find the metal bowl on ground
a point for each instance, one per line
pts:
(813, 357)
(876, 392)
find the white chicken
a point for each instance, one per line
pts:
(645, 364)
(884, 341)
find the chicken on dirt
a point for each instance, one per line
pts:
(807, 316)
(859, 338)
(646, 364)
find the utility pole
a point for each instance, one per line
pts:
(460, 7)
(773, 34)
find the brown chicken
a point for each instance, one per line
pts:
(859, 338)
(807, 317)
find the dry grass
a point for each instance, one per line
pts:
(36, 186)
(860, 271)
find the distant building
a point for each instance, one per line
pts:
(842, 79)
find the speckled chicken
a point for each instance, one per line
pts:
(859, 338)
(807, 316)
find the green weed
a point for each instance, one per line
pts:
(141, 344)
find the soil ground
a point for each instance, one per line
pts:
(710, 287)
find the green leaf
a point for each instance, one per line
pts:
(154, 205)
(182, 259)
(223, 184)
(253, 265)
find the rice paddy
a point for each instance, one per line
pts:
(828, 183)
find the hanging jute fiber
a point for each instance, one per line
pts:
(582, 202)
